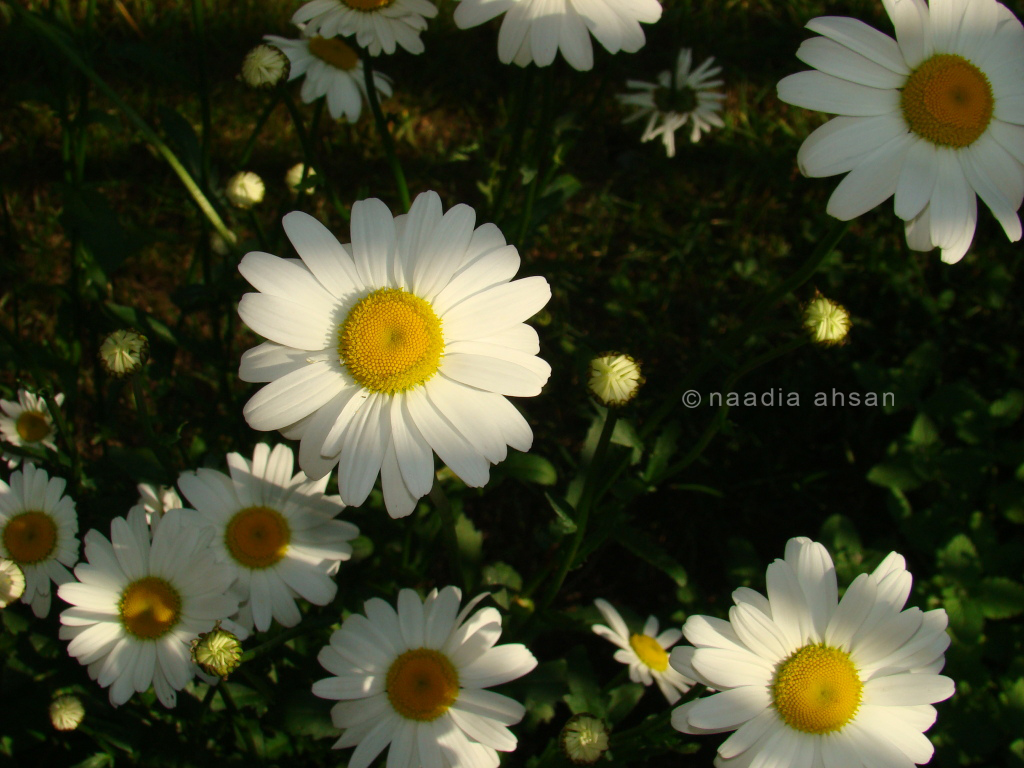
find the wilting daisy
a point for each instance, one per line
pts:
(674, 101)
(27, 423)
(332, 69)
(140, 600)
(39, 532)
(535, 30)
(809, 680)
(935, 117)
(403, 343)
(377, 24)
(157, 500)
(416, 680)
(646, 653)
(275, 529)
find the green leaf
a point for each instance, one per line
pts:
(965, 618)
(1000, 597)
(584, 694)
(894, 476)
(471, 541)
(88, 215)
(923, 431)
(1008, 408)
(503, 574)
(530, 468)
(663, 451)
(648, 550)
(622, 701)
(960, 557)
(564, 513)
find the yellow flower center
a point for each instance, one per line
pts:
(149, 608)
(32, 426)
(257, 537)
(367, 5)
(817, 689)
(391, 341)
(30, 537)
(422, 684)
(650, 653)
(948, 101)
(334, 52)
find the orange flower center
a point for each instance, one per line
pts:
(257, 537)
(334, 52)
(948, 101)
(30, 537)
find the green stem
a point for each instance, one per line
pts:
(385, 134)
(66, 437)
(198, 19)
(540, 161)
(451, 536)
(284, 636)
(250, 145)
(237, 720)
(521, 111)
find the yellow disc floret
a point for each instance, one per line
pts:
(817, 689)
(32, 426)
(649, 651)
(257, 537)
(422, 684)
(391, 341)
(30, 537)
(334, 52)
(149, 608)
(367, 5)
(948, 101)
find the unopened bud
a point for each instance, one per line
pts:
(584, 739)
(614, 379)
(217, 652)
(123, 352)
(827, 322)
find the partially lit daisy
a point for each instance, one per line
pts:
(403, 343)
(39, 532)
(332, 69)
(808, 680)
(415, 679)
(157, 500)
(377, 24)
(935, 117)
(275, 529)
(12, 582)
(646, 653)
(535, 30)
(674, 101)
(140, 600)
(27, 423)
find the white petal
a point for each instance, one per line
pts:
(294, 396)
(872, 182)
(835, 59)
(373, 242)
(907, 689)
(917, 179)
(322, 253)
(824, 93)
(863, 39)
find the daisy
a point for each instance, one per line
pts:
(416, 679)
(809, 680)
(140, 600)
(157, 500)
(646, 653)
(534, 30)
(674, 101)
(275, 530)
(38, 532)
(27, 423)
(935, 117)
(377, 24)
(332, 69)
(400, 344)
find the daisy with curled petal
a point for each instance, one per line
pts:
(535, 30)
(27, 423)
(140, 600)
(416, 680)
(810, 681)
(401, 344)
(332, 69)
(672, 102)
(157, 500)
(377, 24)
(275, 530)
(934, 117)
(646, 653)
(39, 532)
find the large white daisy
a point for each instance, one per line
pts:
(535, 30)
(140, 600)
(39, 532)
(402, 343)
(377, 24)
(935, 117)
(809, 681)
(275, 529)
(415, 679)
(27, 423)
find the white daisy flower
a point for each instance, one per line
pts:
(377, 24)
(415, 679)
(140, 600)
(807, 680)
(646, 653)
(27, 423)
(403, 343)
(12, 582)
(39, 532)
(275, 530)
(672, 102)
(935, 117)
(157, 500)
(535, 30)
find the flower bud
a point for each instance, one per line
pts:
(264, 66)
(614, 379)
(66, 712)
(827, 322)
(293, 178)
(12, 582)
(584, 738)
(217, 652)
(123, 352)
(245, 189)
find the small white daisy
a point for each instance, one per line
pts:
(39, 532)
(332, 69)
(807, 680)
(672, 102)
(157, 500)
(27, 423)
(12, 582)
(646, 653)
(535, 30)
(415, 679)
(275, 530)
(377, 24)
(140, 600)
